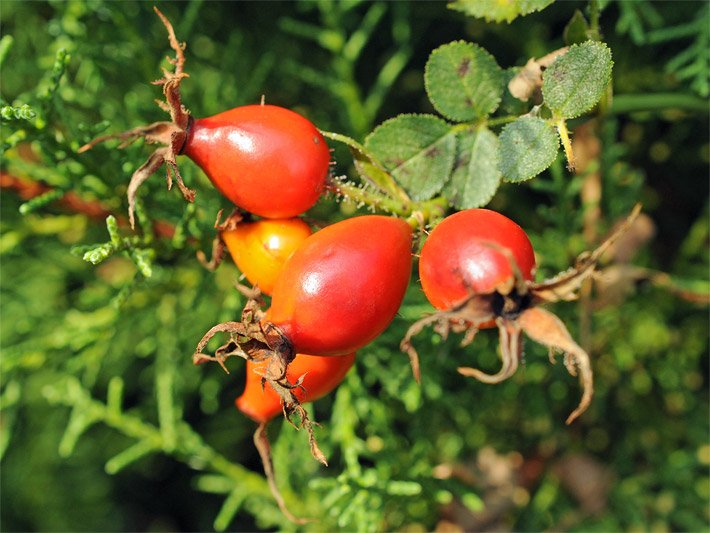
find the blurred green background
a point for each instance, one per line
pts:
(96, 359)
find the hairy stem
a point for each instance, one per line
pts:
(566, 143)
(417, 213)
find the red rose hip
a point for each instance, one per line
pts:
(266, 159)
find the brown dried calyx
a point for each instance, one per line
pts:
(263, 446)
(251, 338)
(515, 310)
(219, 248)
(171, 134)
(258, 340)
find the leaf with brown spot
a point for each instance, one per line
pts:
(576, 81)
(417, 150)
(463, 81)
(528, 146)
(475, 177)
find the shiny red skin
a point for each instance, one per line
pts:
(323, 374)
(260, 249)
(457, 260)
(344, 285)
(266, 159)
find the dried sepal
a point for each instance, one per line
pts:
(263, 446)
(170, 134)
(219, 248)
(171, 80)
(177, 140)
(307, 424)
(231, 222)
(156, 133)
(407, 347)
(510, 346)
(261, 341)
(154, 162)
(290, 404)
(515, 283)
(515, 307)
(255, 300)
(547, 329)
(564, 285)
(469, 314)
(217, 255)
(226, 350)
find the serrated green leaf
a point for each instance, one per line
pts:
(476, 176)
(527, 147)
(576, 81)
(463, 81)
(499, 10)
(418, 150)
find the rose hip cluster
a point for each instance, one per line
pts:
(334, 291)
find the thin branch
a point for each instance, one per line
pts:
(71, 201)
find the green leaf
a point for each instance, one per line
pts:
(369, 170)
(498, 10)
(130, 455)
(114, 396)
(576, 81)
(373, 174)
(23, 112)
(40, 201)
(473, 502)
(527, 147)
(476, 175)
(230, 507)
(79, 421)
(576, 30)
(403, 488)
(463, 81)
(143, 259)
(98, 253)
(418, 150)
(214, 484)
(5, 45)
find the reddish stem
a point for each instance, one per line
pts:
(71, 201)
